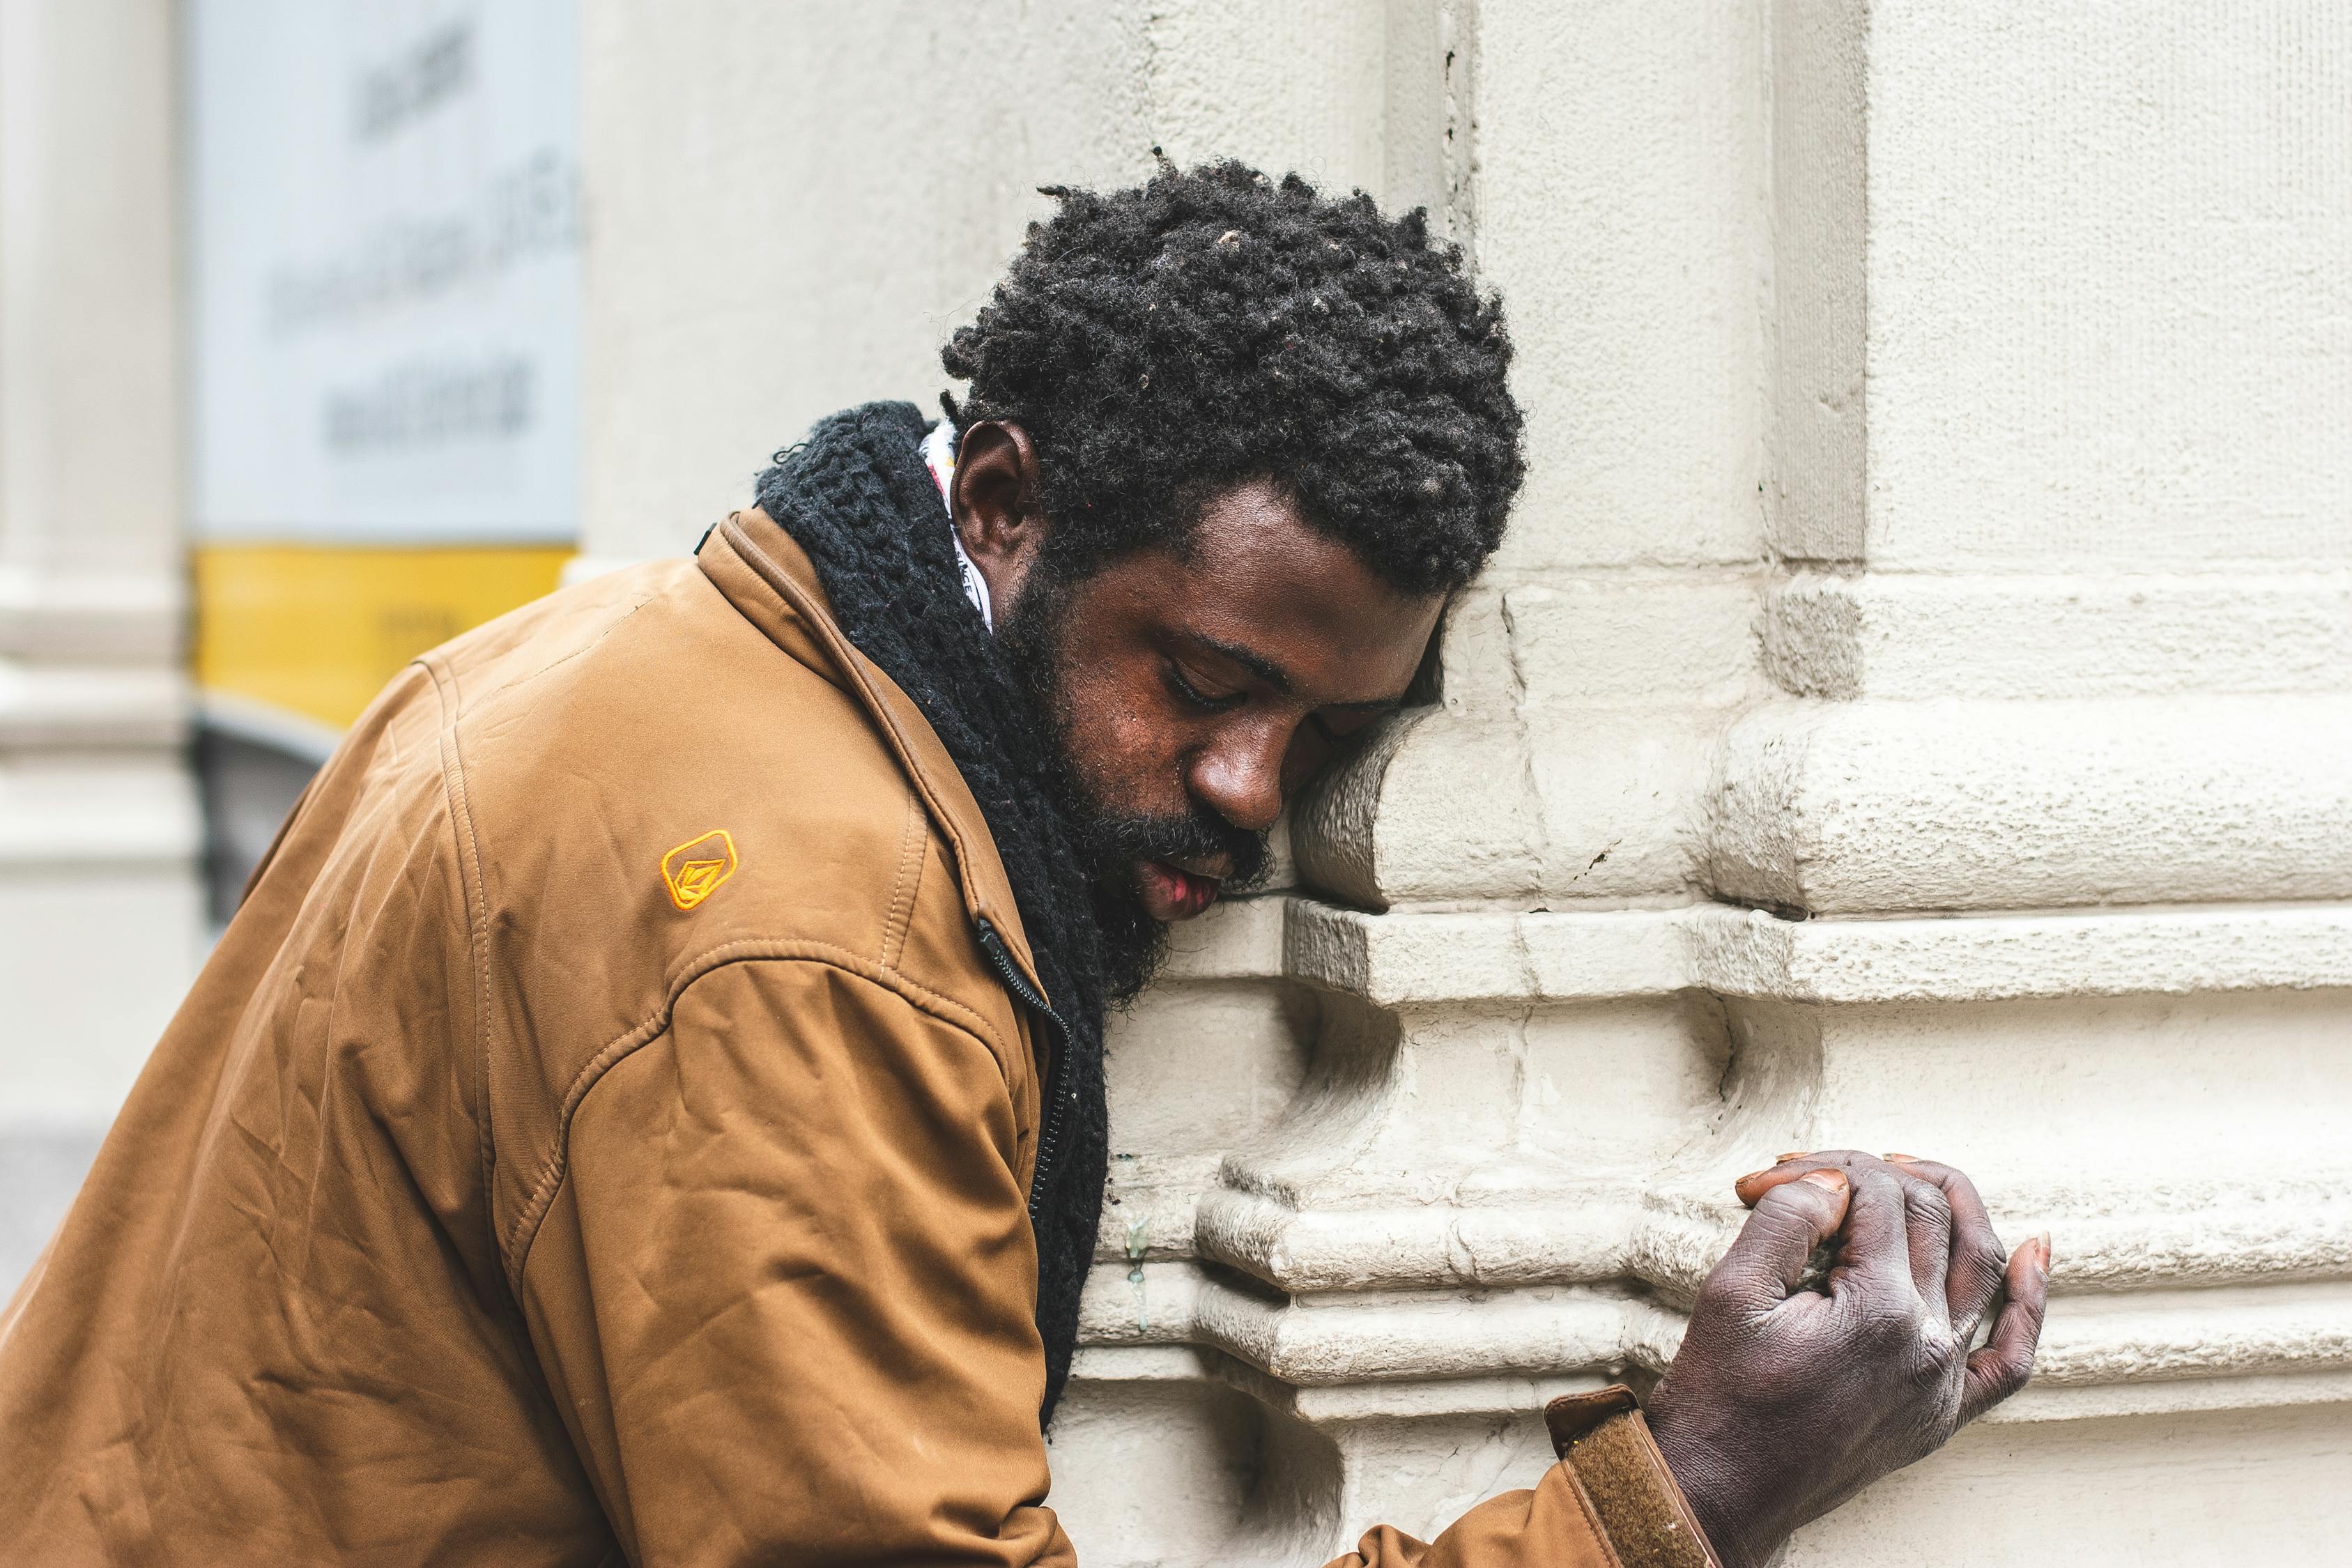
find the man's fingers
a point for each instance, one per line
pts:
(1877, 1249)
(1767, 1259)
(1927, 1240)
(1978, 1258)
(1955, 1255)
(1788, 1167)
(2003, 1366)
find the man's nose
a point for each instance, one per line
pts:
(1241, 780)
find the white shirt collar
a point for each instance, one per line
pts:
(939, 455)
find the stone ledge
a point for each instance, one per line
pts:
(2042, 1400)
(1912, 637)
(2231, 1235)
(1890, 808)
(1409, 959)
(1378, 1336)
(2289, 1343)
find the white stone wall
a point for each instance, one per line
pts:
(100, 918)
(1912, 708)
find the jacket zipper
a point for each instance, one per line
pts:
(1049, 1125)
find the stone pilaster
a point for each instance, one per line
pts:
(100, 921)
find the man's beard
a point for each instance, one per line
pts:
(1109, 843)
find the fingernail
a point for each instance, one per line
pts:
(1751, 1177)
(1793, 1155)
(1907, 1159)
(2044, 1239)
(1833, 1179)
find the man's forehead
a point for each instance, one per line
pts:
(1261, 587)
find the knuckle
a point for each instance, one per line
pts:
(1887, 1325)
(1926, 1203)
(1948, 1172)
(2030, 1337)
(1769, 1231)
(1776, 1205)
(1726, 1290)
(2006, 1376)
(1980, 1266)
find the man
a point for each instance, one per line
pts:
(650, 1104)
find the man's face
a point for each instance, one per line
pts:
(1190, 694)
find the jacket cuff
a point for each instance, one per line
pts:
(1603, 1437)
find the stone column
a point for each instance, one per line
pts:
(99, 921)
(1912, 711)
(1424, 1200)
(2058, 767)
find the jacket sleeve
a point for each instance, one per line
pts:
(1609, 1502)
(784, 1295)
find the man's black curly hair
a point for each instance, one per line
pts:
(1164, 343)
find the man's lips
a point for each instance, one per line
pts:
(1172, 893)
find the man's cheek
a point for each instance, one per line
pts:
(1132, 759)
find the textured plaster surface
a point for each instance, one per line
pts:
(2060, 636)
(791, 207)
(1818, 434)
(1623, 212)
(2179, 1491)
(2110, 323)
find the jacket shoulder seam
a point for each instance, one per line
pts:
(556, 1164)
(469, 860)
(590, 646)
(913, 836)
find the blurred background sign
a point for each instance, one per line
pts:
(385, 241)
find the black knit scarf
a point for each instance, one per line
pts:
(858, 497)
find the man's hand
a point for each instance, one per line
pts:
(1786, 1399)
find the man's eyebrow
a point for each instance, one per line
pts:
(1274, 675)
(1257, 663)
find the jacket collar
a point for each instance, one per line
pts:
(766, 575)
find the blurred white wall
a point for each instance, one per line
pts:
(100, 917)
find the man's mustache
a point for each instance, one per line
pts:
(1119, 841)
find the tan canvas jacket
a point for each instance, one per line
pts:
(600, 1137)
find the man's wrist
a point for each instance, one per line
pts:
(1710, 1485)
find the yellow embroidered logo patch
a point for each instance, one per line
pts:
(693, 870)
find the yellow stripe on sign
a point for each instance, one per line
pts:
(317, 629)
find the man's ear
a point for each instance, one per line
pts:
(996, 510)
